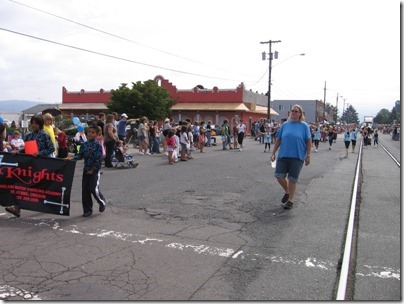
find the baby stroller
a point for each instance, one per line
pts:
(124, 161)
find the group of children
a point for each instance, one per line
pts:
(180, 141)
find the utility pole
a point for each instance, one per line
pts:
(270, 72)
(325, 89)
(337, 109)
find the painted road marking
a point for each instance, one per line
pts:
(309, 262)
(7, 291)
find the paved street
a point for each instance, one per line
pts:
(211, 228)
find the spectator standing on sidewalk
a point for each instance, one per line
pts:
(225, 134)
(208, 134)
(110, 137)
(241, 134)
(294, 143)
(62, 143)
(202, 132)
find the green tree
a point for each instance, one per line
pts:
(383, 117)
(330, 109)
(396, 112)
(350, 115)
(143, 99)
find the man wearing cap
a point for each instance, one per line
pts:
(122, 126)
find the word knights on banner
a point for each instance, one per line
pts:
(36, 183)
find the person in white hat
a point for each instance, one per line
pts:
(166, 127)
(122, 126)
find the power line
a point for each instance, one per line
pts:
(112, 56)
(117, 36)
(102, 31)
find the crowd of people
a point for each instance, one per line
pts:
(293, 138)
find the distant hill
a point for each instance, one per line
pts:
(15, 106)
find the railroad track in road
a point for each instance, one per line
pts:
(391, 155)
(347, 270)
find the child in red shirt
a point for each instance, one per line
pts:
(170, 146)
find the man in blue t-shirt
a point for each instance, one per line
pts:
(122, 126)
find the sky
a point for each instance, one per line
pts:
(352, 46)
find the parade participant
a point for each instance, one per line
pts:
(44, 142)
(317, 137)
(17, 143)
(3, 134)
(267, 140)
(294, 143)
(330, 137)
(354, 133)
(347, 140)
(376, 138)
(62, 143)
(48, 128)
(110, 137)
(241, 133)
(45, 148)
(91, 151)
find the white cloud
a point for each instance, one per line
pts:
(353, 45)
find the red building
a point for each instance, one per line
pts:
(216, 105)
(197, 104)
(83, 104)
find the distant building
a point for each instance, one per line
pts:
(84, 105)
(313, 110)
(196, 104)
(40, 108)
(216, 105)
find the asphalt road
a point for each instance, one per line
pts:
(211, 228)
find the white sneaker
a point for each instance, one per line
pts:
(148, 153)
(316, 150)
(240, 149)
(141, 153)
(165, 153)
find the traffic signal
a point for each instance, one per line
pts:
(264, 55)
(276, 54)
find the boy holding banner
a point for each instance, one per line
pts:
(91, 151)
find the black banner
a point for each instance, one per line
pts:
(40, 184)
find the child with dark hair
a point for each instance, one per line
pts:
(184, 142)
(45, 145)
(170, 146)
(91, 151)
(45, 148)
